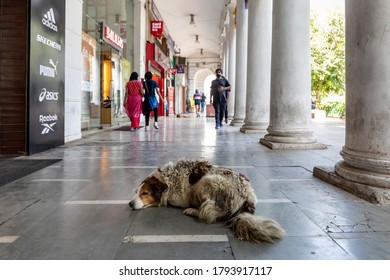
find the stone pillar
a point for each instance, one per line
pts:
(232, 60)
(140, 19)
(290, 112)
(225, 49)
(366, 154)
(241, 63)
(259, 66)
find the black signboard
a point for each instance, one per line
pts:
(46, 75)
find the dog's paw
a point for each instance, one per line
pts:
(191, 212)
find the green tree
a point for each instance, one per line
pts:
(328, 55)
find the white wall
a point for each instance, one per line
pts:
(73, 27)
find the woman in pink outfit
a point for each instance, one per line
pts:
(133, 100)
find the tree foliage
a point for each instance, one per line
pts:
(328, 55)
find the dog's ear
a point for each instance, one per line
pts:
(157, 190)
(200, 169)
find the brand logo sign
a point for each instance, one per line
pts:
(49, 71)
(46, 41)
(49, 20)
(47, 75)
(48, 95)
(48, 122)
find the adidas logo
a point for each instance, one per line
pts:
(49, 20)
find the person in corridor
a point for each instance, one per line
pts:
(219, 96)
(203, 102)
(150, 102)
(133, 100)
(197, 99)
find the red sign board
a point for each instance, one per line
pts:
(110, 37)
(157, 27)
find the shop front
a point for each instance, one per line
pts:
(90, 83)
(156, 63)
(112, 87)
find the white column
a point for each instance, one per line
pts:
(225, 50)
(140, 36)
(73, 28)
(241, 63)
(366, 152)
(232, 61)
(259, 66)
(290, 111)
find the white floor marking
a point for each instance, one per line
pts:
(115, 201)
(175, 238)
(97, 202)
(8, 239)
(291, 180)
(239, 166)
(62, 180)
(133, 167)
(154, 167)
(274, 200)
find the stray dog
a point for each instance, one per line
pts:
(212, 194)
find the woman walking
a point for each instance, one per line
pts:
(133, 100)
(150, 102)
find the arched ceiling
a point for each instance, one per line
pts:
(209, 16)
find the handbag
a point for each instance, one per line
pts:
(152, 99)
(153, 102)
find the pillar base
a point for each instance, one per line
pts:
(252, 128)
(236, 122)
(292, 146)
(366, 192)
(364, 167)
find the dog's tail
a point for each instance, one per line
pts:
(255, 229)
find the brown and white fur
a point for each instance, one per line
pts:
(212, 194)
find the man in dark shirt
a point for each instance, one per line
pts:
(219, 96)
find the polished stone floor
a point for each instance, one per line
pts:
(77, 208)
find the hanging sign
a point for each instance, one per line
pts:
(180, 69)
(157, 28)
(110, 37)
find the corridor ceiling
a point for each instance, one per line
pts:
(209, 16)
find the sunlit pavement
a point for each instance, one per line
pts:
(77, 208)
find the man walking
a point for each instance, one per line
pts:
(218, 97)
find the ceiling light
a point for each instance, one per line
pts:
(197, 39)
(192, 19)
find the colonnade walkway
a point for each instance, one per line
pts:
(78, 207)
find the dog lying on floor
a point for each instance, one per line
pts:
(212, 194)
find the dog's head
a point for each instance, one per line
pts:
(149, 192)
